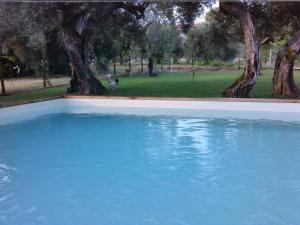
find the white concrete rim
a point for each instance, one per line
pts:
(289, 112)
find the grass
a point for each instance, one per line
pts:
(206, 84)
(34, 95)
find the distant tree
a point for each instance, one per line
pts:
(180, 14)
(141, 48)
(164, 40)
(205, 42)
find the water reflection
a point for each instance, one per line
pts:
(194, 141)
(196, 130)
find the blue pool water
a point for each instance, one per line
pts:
(126, 170)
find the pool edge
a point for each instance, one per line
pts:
(264, 100)
(210, 108)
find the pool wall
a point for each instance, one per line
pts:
(13, 114)
(153, 107)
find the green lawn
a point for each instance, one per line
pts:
(206, 84)
(34, 95)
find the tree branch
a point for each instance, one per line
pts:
(271, 39)
(264, 41)
(82, 23)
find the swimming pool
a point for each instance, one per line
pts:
(66, 167)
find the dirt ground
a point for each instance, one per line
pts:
(13, 85)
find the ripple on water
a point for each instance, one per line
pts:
(89, 169)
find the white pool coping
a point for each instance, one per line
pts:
(289, 112)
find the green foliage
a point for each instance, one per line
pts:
(57, 58)
(205, 42)
(122, 33)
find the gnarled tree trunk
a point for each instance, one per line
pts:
(75, 17)
(283, 79)
(2, 79)
(243, 85)
(83, 81)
